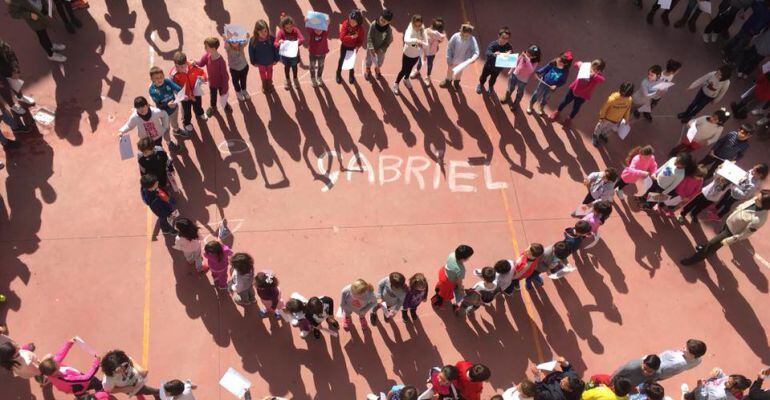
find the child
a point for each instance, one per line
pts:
(712, 87)
(443, 382)
(378, 39)
(522, 268)
(263, 54)
(617, 388)
(242, 279)
(417, 293)
(708, 129)
(123, 375)
(486, 286)
(217, 257)
(461, 49)
(745, 189)
(640, 163)
(21, 361)
(188, 241)
(470, 303)
(295, 311)
(435, 36)
(718, 386)
(648, 391)
(318, 47)
(163, 92)
(517, 80)
(288, 32)
(391, 292)
(150, 122)
(643, 96)
(573, 236)
(358, 297)
(730, 147)
(269, 294)
(526, 389)
(187, 75)
(159, 201)
(667, 177)
(219, 79)
(239, 67)
(178, 390)
(153, 160)
(600, 185)
(580, 90)
(600, 211)
(351, 38)
(396, 392)
(65, 378)
(616, 109)
(414, 41)
(709, 195)
(496, 47)
(318, 310)
(451, 275)
(685, 191)
(672, 68)
(550, 77)
(553, 259)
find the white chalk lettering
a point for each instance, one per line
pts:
(489, 181)
(393, 167)
(416, 171)
(353, 166)
(453, 175)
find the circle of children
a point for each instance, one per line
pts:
(676, 186)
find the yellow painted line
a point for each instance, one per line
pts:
(524, 293)
(147, 275)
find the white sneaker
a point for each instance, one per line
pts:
(57, 57)
(18, 110)
(27, 100)
(188, 127)
(408, 83)
(714, 37)
(303, 334)
(621, 195)
(757, 111)
(372, 396)
(239, 95)
(395, 89)
(58, 47)
(685, 388)
(413, 74)
(706, 37)
(246, 95)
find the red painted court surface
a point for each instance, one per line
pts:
(80, 256)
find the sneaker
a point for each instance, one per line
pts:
(413, 312)
(228, 108)
(516, 286)
(368, 75)
(239, 96)
(346, 323)
(338, 79)
(373, 318)
(313, 82)
(316, 333)
(277, 315)
(245, 94)
(203, 117)
(372, 396)
(706, 38)
(714, 37)
(757, 111)
(445, 84)
(387, 318)
(685, 388)
(287, 85)
(210, 112)
(174, 147)
(492, 92)
(188, 128)
(603, 138)
(58, 47)
(27, 100)
(364, 325)
(296, 82)
(414, 74)
(680, 218)
(478, 89)
(407, 83)
(18, 109)
(352, 80)
(262, 313)
(182, 133)
(595, 140)
(529, 110)
(621, 195)
(405, 315)
(426, 81)
(456, 83)
(540, 112)
(647, 116)
(553, 115)
(395, 89)
(303, 334)
(57, 57)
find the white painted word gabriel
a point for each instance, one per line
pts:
(460, 175)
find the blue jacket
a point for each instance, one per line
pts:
(553, 75)
(159, 207)
(495, 47)
(455, 41)
(164, 93)
(263, 52)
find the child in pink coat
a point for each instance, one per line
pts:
(67, 379)
(217, 257)
(685, 191)
(641, 164)
(580, 90)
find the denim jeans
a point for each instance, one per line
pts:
(515, 84)
(543, 91)
(429, 61)
(697, 104)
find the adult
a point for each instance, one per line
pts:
(756, 392)
(560, 384)
(35, 14)
(756, 23)
(759, 93)
(747, 218)
(674, 362)
(639, 370)
(9, 71)
(749, 58)
(718, 386)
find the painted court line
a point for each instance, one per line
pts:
(147, 275)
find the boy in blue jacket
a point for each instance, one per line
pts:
(499, 46)
(161, 204)
(163, 92)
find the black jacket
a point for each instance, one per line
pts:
(550, 387)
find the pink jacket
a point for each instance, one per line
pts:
(639, 165)
(584, 87)
(689, 187)
(594, 221)
(524, 68)
(68, 379)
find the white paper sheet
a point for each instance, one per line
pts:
(235, 383)
(547, 366)
(426, 395)
(198, 89)
(289, 48)
(691, 132)
(222, 101)
(705, 6)
(180, 97)
(350, 60)
(16, 84)
(662, 85)
(514, 394)
(317, 20)
(732, 172)
(581, 210)
(623, 129)
(585, 70)
(461, 66)
(506, 60)
(562, 272)
(235, 33)
(50, 8)
(126, 149)
(665, 4)
(83, 345)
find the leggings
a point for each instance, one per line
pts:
(569, 98)
(317, 65)
(491, 72)
(543, 91)
(215, 93)
(64, 8)
(344, 49)
(428, 61)
(45, 41)
(191, 105)
(265, 72)
(698, 204)
(407, 63)
(239, 78)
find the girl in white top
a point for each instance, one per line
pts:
(149, 121)
(704, 131)
(188, 242)
(415, 40)
(20, 360)
(435, 35)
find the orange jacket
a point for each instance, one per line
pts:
(187, 80)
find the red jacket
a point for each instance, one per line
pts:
(187, 81)
(469, 390)
(346, 33)
(762, 90)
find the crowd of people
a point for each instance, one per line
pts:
(679, 187)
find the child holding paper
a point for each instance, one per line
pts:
(417, 293)
(269, 294)
(486, 286)
(435, 36)
(685, 191)
(159, 201)
(643, 96)
(378, 39)
(358, 298)
(550, 77)
(667, 177)
(522, 268)
(218, 78)
(702, 131)
(67, 379)
(263, 54)
(187, 75)
(526, 64)
(288, 32)
(396, 392)
(149, 122)
(188, 241)
(123, 375)
(178, 390)
(391, 293)
(712, 87)
(318, 47)
(580, 89)
(164, 92)
(461, 50)
(709, 195)
(241, 283)
(600, 185)
(11, 84)
(666, 78)
(318, 310)
(414, 41)
(744, 190)
(216, 259)
(614, 111)
(153, 160)
(239, 67)
(640, 163)
(730, 147)
(351, 38)
(498, 46)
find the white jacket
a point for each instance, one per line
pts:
(414, 41)
(711, 86)
(155, 127)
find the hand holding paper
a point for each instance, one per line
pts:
(547, 366)
(289, 48)
(350, 60)
(459, 67)
(235, 383)
(585, 70)
(506, 60)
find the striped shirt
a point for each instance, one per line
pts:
(729, 147)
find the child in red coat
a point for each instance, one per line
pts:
(351, 38)
(186, 75)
